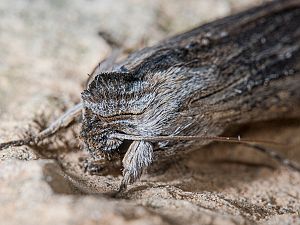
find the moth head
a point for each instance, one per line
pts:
(111, 101)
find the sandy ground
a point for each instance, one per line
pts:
(47, 48)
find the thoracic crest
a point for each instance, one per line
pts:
(115, 94)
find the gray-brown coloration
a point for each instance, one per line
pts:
(234, 70)
(238, 69)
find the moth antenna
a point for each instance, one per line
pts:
(254, 144)
(62, 122)
(191, 138)
(275, 155)
(105, 65)
(15, 143)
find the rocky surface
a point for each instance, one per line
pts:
(47, 48)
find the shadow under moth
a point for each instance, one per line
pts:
(183, 92)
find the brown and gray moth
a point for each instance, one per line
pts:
(183, 92)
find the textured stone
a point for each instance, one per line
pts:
(47, 48)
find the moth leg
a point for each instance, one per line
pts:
(94, 167)
(138, 156)
(62, 122)
(102, 166)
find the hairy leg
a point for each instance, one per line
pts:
(138, 156)
(62, 122)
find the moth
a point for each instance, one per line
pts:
(183, 92)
